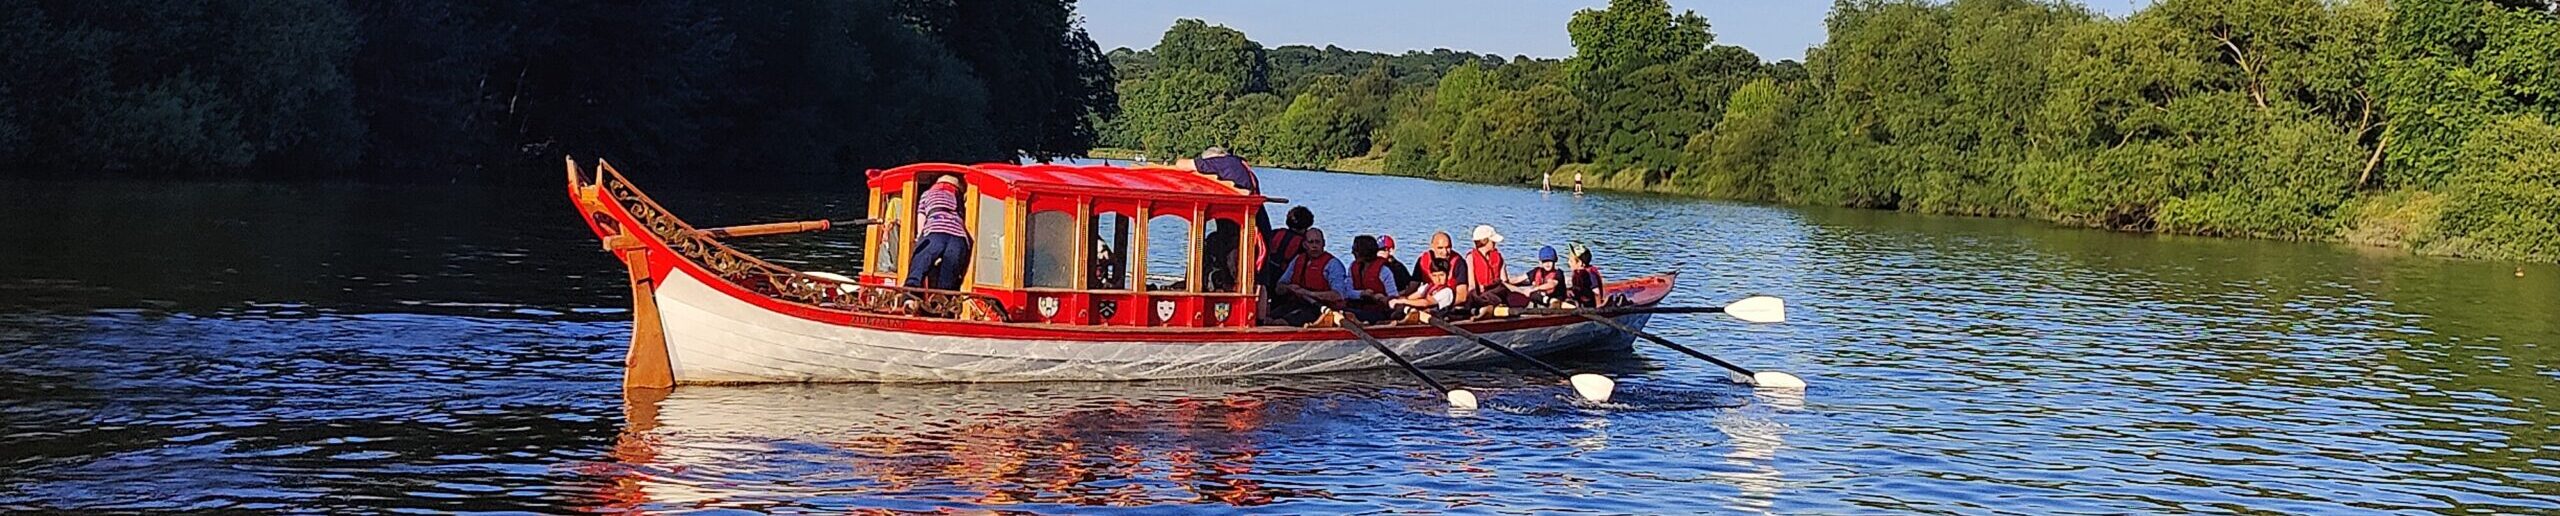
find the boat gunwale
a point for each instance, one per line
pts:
(661, 268)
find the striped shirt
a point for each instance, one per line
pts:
(941, 208)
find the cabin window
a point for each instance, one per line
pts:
(1111, 256)
(988, 259)
(884, 253)
(1168, 253)
(1221, 254)
(1052, 244)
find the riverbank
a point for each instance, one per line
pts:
(2407, 220)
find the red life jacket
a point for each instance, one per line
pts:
(1545, 274)
(1310, 272)
(1364, 275)
(1484, 265)
(1432, 262)
(1284, 245)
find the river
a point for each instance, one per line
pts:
(343, 348)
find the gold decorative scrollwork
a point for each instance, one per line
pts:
(783, 283)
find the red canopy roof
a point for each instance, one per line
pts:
(1139, 182)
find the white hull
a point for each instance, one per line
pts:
(715, 338)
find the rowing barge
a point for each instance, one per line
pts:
(1078, 273)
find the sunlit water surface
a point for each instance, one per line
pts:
(333, 348)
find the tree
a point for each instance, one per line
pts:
(1046, 77)
(1632, 34)
(1735, 159)
(1221, 54)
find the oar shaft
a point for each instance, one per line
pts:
(1363, 334)
(775, 228)
(784, 228)
(1480, 340)
(1613, 323)
(1631, 310)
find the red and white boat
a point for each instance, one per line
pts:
(1047, 296)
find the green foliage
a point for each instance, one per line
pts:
(1233, 64)
(2258, 118)
(1735, 160)
(1632, 34)
(796, 91)
(1514, 138)
(1045, 72)
(2506, 199)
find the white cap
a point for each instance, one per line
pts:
(954, 179)
(1485, 232)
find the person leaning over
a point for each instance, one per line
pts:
(942, 242)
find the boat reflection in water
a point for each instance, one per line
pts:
(923, 446)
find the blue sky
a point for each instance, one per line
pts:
(1774, 29)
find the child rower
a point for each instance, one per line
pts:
(1543, 281)
(1582, 283)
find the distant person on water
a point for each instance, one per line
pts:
(1404, 277)
(1313, 282)
(1582, 282)
(1547, 181)
(1371, 279)
(942, 242)
(1577, 182)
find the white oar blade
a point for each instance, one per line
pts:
(1777, 380)
(1460, 398)
(1758, 309)
(1593, 387)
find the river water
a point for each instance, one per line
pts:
(351, 348)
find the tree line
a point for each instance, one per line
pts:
(2421, 124)
(697, 91)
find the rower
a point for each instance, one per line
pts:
(1441, 269)
(1487, 277)
(1439, 291)
(1543, 281)
(1312, 283)
(1371, 280)
(1581, 288)
(1404, 277)
(1283, 246)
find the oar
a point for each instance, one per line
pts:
(1591, 386)
(1757, 309)
(784, 228)
(1457, 397)
(1763, 379)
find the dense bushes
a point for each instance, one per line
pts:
(796, 91)
(2410, 123)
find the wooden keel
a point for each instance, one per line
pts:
(645, 365)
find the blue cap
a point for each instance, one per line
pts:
(1547, 253)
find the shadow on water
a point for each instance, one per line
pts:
(356, 349)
